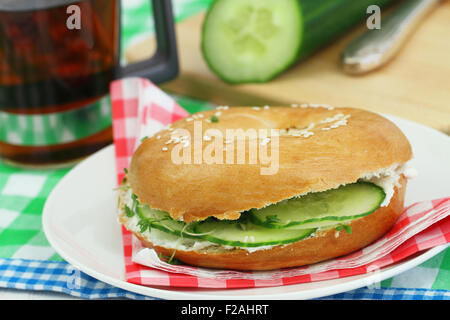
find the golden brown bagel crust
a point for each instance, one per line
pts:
(323, 246)
(325, 160)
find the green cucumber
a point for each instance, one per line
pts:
(243, 233)
(321, 209)
(255, 40)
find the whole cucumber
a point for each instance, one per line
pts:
(325, 20)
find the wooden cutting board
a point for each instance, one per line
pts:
(415, 85)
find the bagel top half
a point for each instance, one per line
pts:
(341, 145)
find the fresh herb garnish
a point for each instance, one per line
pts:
(346, 227)
(272, 219)
(144, 225)
(135, 202)
(171, 259)
(129, 213)
(144, 138)
(214, 118)
(125, 177)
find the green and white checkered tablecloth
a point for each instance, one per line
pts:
(137, 21)
(22, 197)
(23, 192)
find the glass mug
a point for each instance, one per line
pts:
(57, 59)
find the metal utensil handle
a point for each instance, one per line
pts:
(376, 47)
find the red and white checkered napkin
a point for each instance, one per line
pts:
(140, 109)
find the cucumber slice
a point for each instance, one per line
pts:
(241, 233)
(254, 40)
(321, 209)
(251, 41)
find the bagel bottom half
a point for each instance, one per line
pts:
(324, 245)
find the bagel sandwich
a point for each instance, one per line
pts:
(262, 188)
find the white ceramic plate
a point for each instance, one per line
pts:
(79, 220)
